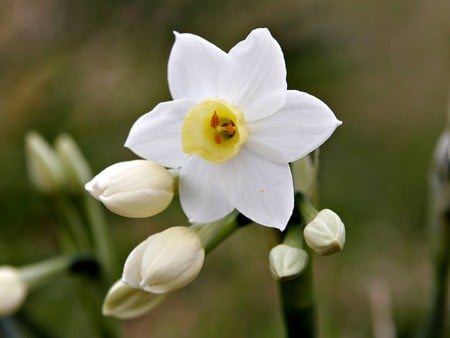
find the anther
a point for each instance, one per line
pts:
(217, 138)
(214, 120)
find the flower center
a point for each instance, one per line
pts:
(214, 130)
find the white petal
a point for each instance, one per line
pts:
(156, 135)
(194, 65)
(257, 81)
(301, 126)
(138, 204)
(261, 190)
(201, 195)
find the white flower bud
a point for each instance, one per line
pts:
(136, 188)
(75, 165)
(165, 261)
(287, 262)
(124, 302)
(13, 290)
(325, 234)
(44, 167)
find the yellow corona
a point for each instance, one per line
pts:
(214, 130)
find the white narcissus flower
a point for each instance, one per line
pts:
(232, 128)
(165, 261)
(136, 188)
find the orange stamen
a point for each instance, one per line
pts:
(217, 138)
(229, 128)
(214, 120)
(223, 128)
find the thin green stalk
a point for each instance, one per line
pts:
(298, 305)
(75, 224)
(212, 234)
(294, 236)
(436, 320)
(101, 238)
(66, 242)
(36, 274)
(297, 295)
(305, 208)
(439, 223)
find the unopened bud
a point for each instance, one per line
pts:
(44, 167)
(165, 261)
(124, 302)
(287, 262)
(75, 165)
(325, 234)
(13, 290)
(136, 188)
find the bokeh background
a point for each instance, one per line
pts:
(90, 68)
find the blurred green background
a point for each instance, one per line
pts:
(90, 68)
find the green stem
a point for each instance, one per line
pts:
(294, 236)
(439, 223)
(76, 226)
(100, 235)
(297, 295)
(436, 321)
(298, 305)
(36, 274)
(305, 208)
(440, 242)
(66, 242)
(212, 234)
